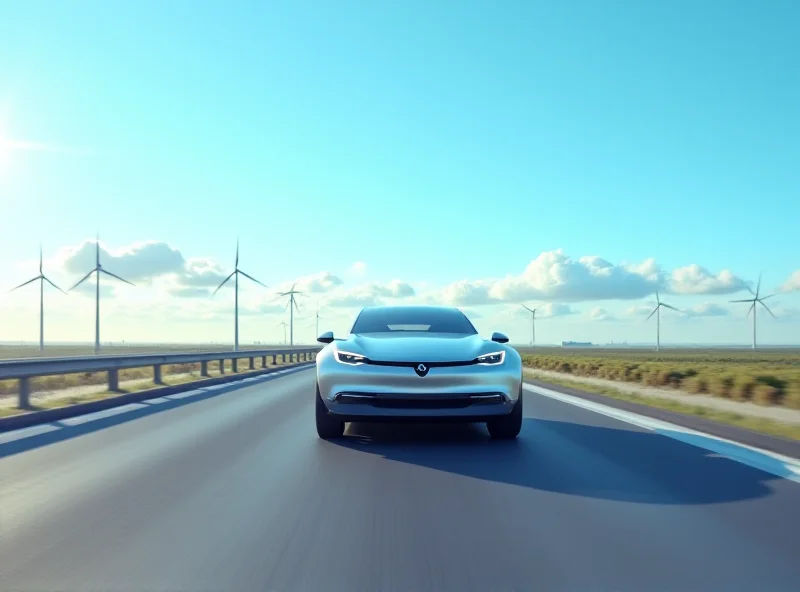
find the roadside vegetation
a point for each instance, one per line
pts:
(764, 378)
(741, 420)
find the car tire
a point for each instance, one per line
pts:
(328, 427)
(509, 426)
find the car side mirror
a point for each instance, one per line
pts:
(326, 337)
(499, 337)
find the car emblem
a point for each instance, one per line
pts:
(421, 369)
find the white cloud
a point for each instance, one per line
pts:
(601, 314)
(553, 275)
(707, 309)
(370, 294)
(318, 283)
(694, 279)
(140, 261)
(641, 309)
(792, 283)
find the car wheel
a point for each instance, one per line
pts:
(508, 427)
(328, 427)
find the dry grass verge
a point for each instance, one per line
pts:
(769, 378)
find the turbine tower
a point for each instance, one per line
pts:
(235, 275)
(756, 300)
(316, 316)
(98, 269)
(284, 325)
(43, 278)
(533, 323)
(657, 312)
(291, 305)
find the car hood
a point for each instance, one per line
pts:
(416, 347)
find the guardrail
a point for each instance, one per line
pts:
(25, 369)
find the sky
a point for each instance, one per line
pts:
(575, 156)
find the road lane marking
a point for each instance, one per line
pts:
(770, 462)
(81, 419)
(28, 432)
(185, 395)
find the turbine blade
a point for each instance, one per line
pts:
(251, 278)
(751, 309)
(116, 277)
(45, 278)
(767, 307)
(658, 301)
(672, 307)
(86, 277)
(748, 300)
(41, 257)
(526, 308)
(651, 314)
(26, 283)
(285, 308)
(750, 290)
(297, 308)
(223, 283)
(758, 286)
(237, 252)
(765, 297)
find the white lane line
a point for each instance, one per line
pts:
(770, 462)
(28, 432)
(157, 400)
(185, 395)
(81, 419)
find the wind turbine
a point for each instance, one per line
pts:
(235, 275)
(533, 323)
(98, 269)
(284, 325)
(291, 305)
(755, 299)
(43, 279)
(657, 312)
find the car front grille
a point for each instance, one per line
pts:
(420, 401)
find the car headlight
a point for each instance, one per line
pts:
(493, 358)
(348, 358)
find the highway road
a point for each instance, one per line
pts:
(231, 490)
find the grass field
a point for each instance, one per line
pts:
(768, 377)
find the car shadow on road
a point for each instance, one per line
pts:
(618, 464)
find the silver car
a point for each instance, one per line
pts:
(417, 363)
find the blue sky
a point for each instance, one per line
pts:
(435, 142)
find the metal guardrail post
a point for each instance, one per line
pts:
(113, 380)
(157, 374)
(252, 363)
(263, 361)
(24, 393)
(283, 358)
(274, 359)
(235, 364)
(204, 368)
(222, 366)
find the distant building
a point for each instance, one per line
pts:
(576, 344)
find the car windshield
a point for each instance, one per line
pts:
(420, 319)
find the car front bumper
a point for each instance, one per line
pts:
(467, 393)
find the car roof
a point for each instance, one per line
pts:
(412, 307)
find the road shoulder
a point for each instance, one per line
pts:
(784, 446)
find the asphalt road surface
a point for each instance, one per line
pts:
(234, 491)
